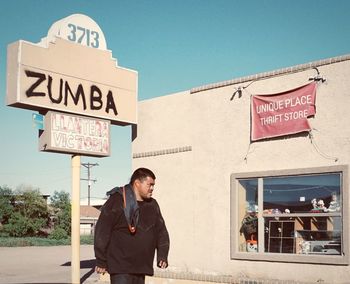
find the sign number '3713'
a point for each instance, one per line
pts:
(79, 29)
(83, 35)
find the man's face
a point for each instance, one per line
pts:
(144, 188)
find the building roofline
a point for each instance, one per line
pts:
(269, 74)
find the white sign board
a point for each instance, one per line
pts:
(68, 133)
(68, 74)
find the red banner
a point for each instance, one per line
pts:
(283, 113)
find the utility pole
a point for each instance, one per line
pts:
(89, 166)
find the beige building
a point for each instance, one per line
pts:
(237, 210)
(88, 219)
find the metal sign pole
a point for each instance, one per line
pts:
(75, 238)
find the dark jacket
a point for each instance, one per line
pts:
(120, 251)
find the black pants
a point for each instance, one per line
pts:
(127, 279)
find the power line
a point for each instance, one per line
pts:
(89, 166)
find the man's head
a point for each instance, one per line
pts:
(143, 181)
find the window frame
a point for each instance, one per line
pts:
(284, 257)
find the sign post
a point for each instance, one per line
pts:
(75, 233)
(74, 82)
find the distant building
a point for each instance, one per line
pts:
(94, 202)
(15, 197)
(88, 218)
(90, 214)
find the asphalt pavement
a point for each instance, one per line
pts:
(21, 265)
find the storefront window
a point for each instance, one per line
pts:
(299, 215)
(248, 213)
(302, 214)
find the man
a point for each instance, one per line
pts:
(129, 230)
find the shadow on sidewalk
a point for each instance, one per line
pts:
(84, 264)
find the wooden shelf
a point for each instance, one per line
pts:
(286, 215)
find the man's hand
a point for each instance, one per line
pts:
(162, 264)
(100, 270)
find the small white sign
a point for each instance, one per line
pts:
(68, 133)
(302, 198)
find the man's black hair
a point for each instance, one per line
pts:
(141, 174)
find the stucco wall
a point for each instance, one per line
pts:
(195, 141)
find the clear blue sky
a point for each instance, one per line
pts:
(174, 46)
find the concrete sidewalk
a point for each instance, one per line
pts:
(19, 265)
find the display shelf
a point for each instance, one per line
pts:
(319, 234)
(330, 214)
(281, 236)
(318, 242)
(306, 233)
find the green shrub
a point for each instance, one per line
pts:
(58, 234)
(4, 234)
(20, 226)
(24, 213)
(35, 241)
(60, 204)
(6, 208)
(86, 240)
(15, 242)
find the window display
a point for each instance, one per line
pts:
(298, 215)
(249, 217)
(310, 203)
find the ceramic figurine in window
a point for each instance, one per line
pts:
(252, 245)
(276, 211)
(315, 207)
(305, 247)
(251, 207)
(321, 206)
(314, 203)
(334, 205)
(318, 206)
